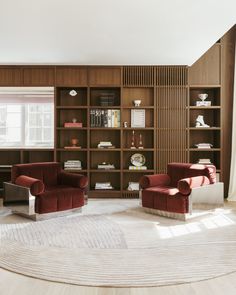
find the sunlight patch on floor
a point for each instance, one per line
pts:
(208, 223)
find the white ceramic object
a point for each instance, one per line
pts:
(137, 102)
(203, 96)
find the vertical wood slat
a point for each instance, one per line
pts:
(138, 76)
(171, 115)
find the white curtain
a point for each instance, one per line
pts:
(232, 184)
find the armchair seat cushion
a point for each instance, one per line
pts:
(59, 198)
(36, 186)
(164, 198)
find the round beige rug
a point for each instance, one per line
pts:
(120, 246)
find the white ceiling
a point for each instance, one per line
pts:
(111, 32)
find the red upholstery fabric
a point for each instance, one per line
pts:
(154, 180)
(177, 204)
(178, 171)
(36, 186)
(46, 172)
(185, 185)
(170, 192)
(63, 190)
(59, 198)
(72, 179)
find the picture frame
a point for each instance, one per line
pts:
(137, 118)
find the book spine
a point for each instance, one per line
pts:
(112, 118)
(118, 118)
(105, 118)
(109, 118)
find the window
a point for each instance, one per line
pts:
(26, 117)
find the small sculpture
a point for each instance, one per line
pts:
(140, 145)
(200, 122)
(73, 92)
(133, 141)
(137, 102)
(74, 142)
(74, 120)
(125, 124)
(203, 96)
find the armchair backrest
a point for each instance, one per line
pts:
(177, 171)
(47, 172)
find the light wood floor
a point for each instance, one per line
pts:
(15, 284)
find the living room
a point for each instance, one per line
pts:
(117, 140)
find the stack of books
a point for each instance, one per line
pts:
(72, 165)
(204, 161)
(106, 166)
(105, 145)
(104, 118)
(204, 145)
(137, 167)
(107, 99)
(103, 185)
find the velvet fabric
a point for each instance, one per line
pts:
(59, 198)
(185, 185)
(154, 180)
(46, 172)
(177, 171)
(75, 180)
(169, 192)
(62, 190)
(36, 186)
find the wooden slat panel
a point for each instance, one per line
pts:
(138, 76)
(206, 70)
(10, 76)
(39, 76)
(104, 76)
(71, 76)
(171, 116)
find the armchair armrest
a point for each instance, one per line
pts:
(35, 186)
(154, 180)
(72, 179)
(185, 185)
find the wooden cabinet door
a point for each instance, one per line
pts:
(10, 76)
(104, 76)
(39, 76)
(71, 76)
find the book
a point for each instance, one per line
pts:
(137, 167)
(203, 145)
(71, 124)
(105, 118)
(203, 103)
(103, 186)
(72, 147)
(106, 166)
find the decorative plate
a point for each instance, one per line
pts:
(137, 160)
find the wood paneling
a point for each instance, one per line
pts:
(138, 76)
(228, 61)
(171, 116)
(71, 76)
(206, 70)
(10, 76)
(39, 76)
(104, 76)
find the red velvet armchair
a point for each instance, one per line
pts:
(184, 186)
(42, 188)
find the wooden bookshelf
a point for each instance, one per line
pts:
(168, 95)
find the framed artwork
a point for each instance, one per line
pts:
(138, 118)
